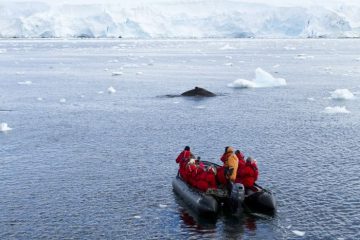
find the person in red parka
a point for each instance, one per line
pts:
(183, 159)
(211, 177)
(249, 174)
(241, 164)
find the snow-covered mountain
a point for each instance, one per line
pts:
(177, 19)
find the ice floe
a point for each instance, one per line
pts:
(227, 47)
(62, 100)
(111, 90)
(298, 233)
(4, 127)
(25, 83)
(39, 99)
(137, 217)
(117, 73)
(336, 109)
(342, 94)
(262, 79)
(162, 205)
(303, 56)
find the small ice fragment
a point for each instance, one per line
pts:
(100, 92)
(111, 90)
(357, 59)
(226, 47)
(82, 96)
(342, 94)
(25, 83)
(228, 57)
(289, 48)
(228, 64)
(137, 217)
(288, 227)
(106, 69)
(113, 61)
(62, 100)
(200, 107)
(20, 73)
(276, 66)
(298, 233)
(337, 109)
(176, 102)
(4, 127)
(139, 73)
(39, 99)
(3, 50)
(311, 99)
(116, 73)
(162, 205)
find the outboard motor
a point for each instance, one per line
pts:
(237, 196)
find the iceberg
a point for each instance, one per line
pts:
(4, 127)
(342, 94)
(262, 79)
(337, 109)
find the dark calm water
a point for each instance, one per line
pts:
(100, 166)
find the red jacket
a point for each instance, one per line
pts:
(248, 175)
(184, 155)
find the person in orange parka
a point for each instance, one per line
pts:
(183, 159)
(249, 174)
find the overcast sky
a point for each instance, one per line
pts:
(269, 2)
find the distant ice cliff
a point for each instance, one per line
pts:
(177, 19)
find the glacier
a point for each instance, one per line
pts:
(177, 19)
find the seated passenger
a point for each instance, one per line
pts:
(249, 174)
(190, 172)
(211, 177)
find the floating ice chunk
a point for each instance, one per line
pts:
(357, 59)
(200, 107)
(228, 57)
(111, 90)
(303, 56)
(106, 69)
(4, 127)
(227, 47)
(276, 66)
(137, 217)
(176, 102)
(100, 92)
(25, 83)
(39, 99)
(139, 73)
(162, 205)
(298, 233)
(20, 73)
(337, 109)
(117, 73)
(62, 100)
(288, 227)
(289, 48)
(311, 99)
(342, 94)
(113, 61)
(262, 79)
(228, 64)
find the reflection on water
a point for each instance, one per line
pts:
(225, 225)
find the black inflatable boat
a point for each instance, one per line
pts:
(210, 202)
